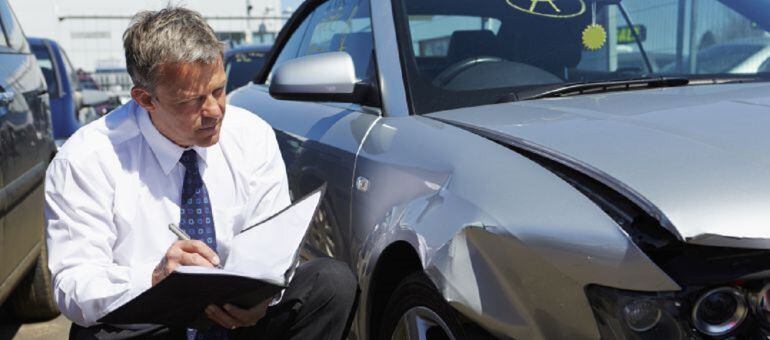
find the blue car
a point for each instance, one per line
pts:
(71, 104)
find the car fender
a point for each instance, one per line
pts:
(513, 263)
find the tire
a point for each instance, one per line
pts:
(416, 294)
(33, 298)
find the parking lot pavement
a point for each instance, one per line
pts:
(56, 329)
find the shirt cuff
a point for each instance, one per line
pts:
(141, 279)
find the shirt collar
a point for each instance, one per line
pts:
(166, 152)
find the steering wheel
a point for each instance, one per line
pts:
(446, 76)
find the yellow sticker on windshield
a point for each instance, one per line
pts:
(550, 8)
(594, 37)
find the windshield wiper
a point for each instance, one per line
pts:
(569, 89)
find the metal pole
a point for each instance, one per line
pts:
(248, 21)
(612, 38)
(693, 37)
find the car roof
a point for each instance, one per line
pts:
(42, 41)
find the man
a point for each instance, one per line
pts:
(172, 155)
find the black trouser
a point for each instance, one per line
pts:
(318, 304)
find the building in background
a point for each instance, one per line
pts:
(91, 30)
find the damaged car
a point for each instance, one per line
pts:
(494, 171)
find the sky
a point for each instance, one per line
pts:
(290, 3)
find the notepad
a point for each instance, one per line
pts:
(258, 266)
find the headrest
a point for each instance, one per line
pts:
(550, 44)
(472, 43)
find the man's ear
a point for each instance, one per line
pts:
(142, 97)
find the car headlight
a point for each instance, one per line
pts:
(624, 314)
(719, 311)
(738, 311)
(761, 305)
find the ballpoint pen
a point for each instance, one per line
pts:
(183, 236)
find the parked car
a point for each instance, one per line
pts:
(26, 147)
(741, 56)
(86, 81)
(242, 64)
(491, 174)
(72, 104)
(115, 80)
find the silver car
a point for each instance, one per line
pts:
(493, 173)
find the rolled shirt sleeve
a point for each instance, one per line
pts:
(80, 236)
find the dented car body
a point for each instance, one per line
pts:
(479, 192)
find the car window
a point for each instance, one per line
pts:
(241, 68)
(459, 53)
(71, 74)
(13, 31)
(3, 41)
(722, 58)
(291, 48)
(341, 25)
(765, 66)
(336, 25)
(431, 33)
(44, 60)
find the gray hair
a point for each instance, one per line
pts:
(170, 35)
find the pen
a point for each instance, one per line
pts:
(183, 236)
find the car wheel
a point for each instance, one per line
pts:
(33, 298)
(417, 311)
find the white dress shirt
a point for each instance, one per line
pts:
(116, 184)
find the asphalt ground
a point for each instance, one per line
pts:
(10, 329)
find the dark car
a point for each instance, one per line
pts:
(86, 81)
(72, 102)
(26, 147)
(243, 63)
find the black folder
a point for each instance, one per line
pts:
(180, 298)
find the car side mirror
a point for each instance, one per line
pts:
(327, 76)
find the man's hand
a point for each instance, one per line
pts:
(232, 317)
(184, 253)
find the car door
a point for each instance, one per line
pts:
(26, 148)
(319, 141)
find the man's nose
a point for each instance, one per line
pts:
(211, 108)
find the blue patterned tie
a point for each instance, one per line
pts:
(198, 221)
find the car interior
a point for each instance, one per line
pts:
(527, 49)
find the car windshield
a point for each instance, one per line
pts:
(461, 53)
(46, 66)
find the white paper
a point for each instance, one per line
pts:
(268, 251)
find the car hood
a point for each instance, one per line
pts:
(696, 157)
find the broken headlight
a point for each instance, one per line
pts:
(624, 314)
(738, 311)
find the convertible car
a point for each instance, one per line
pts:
(493, 172)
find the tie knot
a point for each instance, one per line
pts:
(189, 159)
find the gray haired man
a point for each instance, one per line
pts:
(170, 156)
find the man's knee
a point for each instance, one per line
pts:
(335, 283)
